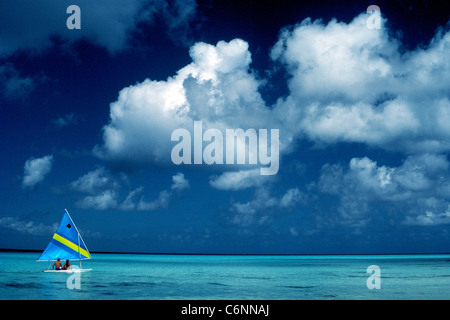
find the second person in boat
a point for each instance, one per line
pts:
(67, 265)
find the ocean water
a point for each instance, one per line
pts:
(223, 277)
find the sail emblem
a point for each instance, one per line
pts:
(68, 225)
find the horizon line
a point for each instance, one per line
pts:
(237, 254)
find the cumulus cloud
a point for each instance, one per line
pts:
(177, 16)
(94, 181)
(161, 202)
(27, 227)
(429, 219)
(347, 83)
(256, 210)
(217, 88)
(64, 120)
(35, 170)
(32, 25)
(103, 201)
(337, 55)
(418, 188)
(35, 27)
(180, 183)
(291, 197)
(238, 180)
(102, 191)
(352, 84)
(129, 203)
(13, 84)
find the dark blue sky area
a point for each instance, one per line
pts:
(86, 118)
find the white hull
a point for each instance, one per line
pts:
(67, 271)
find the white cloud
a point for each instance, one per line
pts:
(429, 219)
(418, 188)
(238, 180)
(216, 88)
(102, 201)
(129, 203)
(179, 182)
(352, 84)
(102, 191)
(175, 15)
(27, 227)
(93, 181)
(64, 120)
(291, 197)
(359, 122)
(142, 121)
(31, 25)
(13, 84)
(326, 60)
(35, 170)
(347, 84)
(247, 213)
(161, 202)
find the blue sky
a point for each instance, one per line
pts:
(86, 118)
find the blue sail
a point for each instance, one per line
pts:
(66, 243)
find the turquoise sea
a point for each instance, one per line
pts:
(228, 277)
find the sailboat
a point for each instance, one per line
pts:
(66, 244)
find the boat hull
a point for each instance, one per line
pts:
(67, 271)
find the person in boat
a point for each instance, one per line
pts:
(67, 265)
(57, 264)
